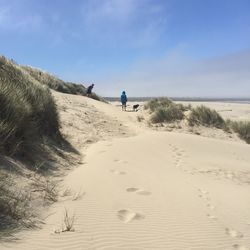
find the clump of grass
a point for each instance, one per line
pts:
(242, 128)
(67, 224)
(168, 114)
(165, 110)
(157, 103)
(69, 221)
(203, 115)
(28, 111)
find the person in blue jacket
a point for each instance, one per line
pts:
(124, 100)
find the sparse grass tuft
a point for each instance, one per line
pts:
(47, 187)
(202, 115)
(140, 118)
(67, 224)
(68, 221)
(14, 202)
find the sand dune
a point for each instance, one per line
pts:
(144, 189)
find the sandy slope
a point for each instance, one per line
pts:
(147, 190)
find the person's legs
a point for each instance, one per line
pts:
(123, 106)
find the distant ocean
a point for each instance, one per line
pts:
(185, 99)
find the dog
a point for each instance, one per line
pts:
(135, 107)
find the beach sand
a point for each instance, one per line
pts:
(137, 188)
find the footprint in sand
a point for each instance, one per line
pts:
(127, 216)
(143, 192)
(233, 233)
(132, 190)
(212, 217)
(138, 191)
(239, 247)
(117, 172)
(203, 194)
(203, 191)
(211, 207)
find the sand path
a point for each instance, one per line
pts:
(155, 190)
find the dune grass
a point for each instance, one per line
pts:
(157, 103)
(205, 116)
(242, 128)
(57, 84)
(167, 114)
(14, 203)
(28, 112)
(164, 110)
(29, 122)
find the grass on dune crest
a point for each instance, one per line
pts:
(57, 84)
(205, 116)
(29, 133)
(28, 112)
(242, 128)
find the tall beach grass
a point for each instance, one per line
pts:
(28, 111)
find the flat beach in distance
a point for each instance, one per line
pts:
(141, 187)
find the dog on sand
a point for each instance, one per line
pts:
(136, 107)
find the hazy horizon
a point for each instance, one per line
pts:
(181, 48)
(193, 98)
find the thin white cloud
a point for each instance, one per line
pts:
(132, 22)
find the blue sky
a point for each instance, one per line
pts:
(146, 47)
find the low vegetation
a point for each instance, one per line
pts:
(14, 205)
(242, 128)
(168, 114)
(29, 135)
(57, 84)
(157, 103)
(28, 112)
(205, 116)
(165, 110)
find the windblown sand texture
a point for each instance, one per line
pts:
(142, 189)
